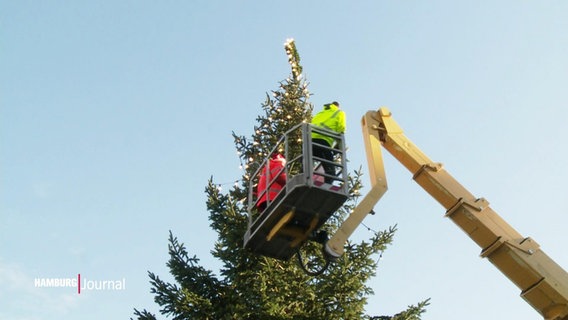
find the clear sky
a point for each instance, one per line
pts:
(115, 113)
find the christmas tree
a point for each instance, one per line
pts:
(249, 286)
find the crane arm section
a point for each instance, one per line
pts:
(334, 246)
(543, 283)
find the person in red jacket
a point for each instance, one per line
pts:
(272, 179)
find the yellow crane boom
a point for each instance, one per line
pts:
(543, 283)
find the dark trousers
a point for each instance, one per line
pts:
(325, 153)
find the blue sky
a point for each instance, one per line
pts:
(114, 115)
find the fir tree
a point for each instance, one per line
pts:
(256, 287)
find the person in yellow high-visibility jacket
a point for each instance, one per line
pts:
(331, 117)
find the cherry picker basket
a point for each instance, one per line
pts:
(305, 202)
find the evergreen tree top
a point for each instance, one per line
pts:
(254, 287)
